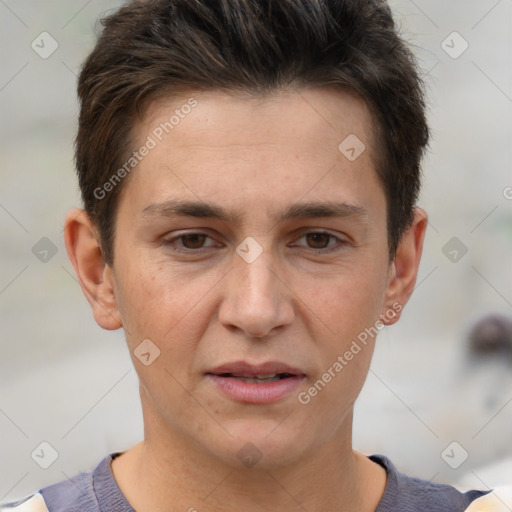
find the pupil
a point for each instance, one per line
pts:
(316, 240)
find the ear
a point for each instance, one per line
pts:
(404, 268)
(94, 275)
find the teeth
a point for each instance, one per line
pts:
(271, 377)
(250, 376)
(253, 381)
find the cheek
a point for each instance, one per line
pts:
(345, 311)
(164, 305)
(345, 340)
(345, 302)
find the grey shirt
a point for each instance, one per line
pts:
(97, 491)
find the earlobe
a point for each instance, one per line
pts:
(404, 268)
(94, 275)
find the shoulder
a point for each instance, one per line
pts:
(34, 503)
(499, 500)
(404, 493)
(72, 495)
(76, 494)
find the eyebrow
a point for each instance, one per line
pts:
(201, 209)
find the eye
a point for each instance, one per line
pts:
(321, 241)
(190, 242)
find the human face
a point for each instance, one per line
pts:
(235, 177)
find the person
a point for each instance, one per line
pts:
(249, 173)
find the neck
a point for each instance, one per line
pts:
(170, 469)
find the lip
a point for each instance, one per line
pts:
(257, 392)
(239, 367)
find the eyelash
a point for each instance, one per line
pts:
(339, 243)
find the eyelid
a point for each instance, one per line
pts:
(340, 242)
(169, 242)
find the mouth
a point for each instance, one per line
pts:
(256, 384)
(256, 379)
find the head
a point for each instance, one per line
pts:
(249, 172)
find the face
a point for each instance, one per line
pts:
(251, 250)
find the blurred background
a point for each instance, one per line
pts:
(438, 411)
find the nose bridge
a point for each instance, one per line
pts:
(255, 301)
(256, 278)
(255, 285)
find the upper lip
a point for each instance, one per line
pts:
(246, 369)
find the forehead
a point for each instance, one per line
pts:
(273, 148)
(216, 115)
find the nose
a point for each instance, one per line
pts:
(257, 302)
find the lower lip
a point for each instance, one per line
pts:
(257, 393)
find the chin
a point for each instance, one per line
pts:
(262, 444)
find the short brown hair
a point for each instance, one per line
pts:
(157, 48)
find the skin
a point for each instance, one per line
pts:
(296, 303)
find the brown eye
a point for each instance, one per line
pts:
(318, 240)
(194, 241)
(191, 243)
